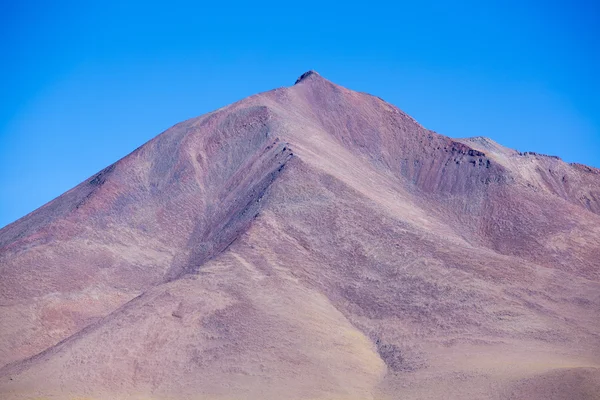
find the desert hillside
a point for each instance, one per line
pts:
(310, 242)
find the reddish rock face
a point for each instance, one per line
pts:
(310, 242)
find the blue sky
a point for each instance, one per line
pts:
(84, 84)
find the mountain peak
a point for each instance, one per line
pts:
(306, 75)
(308, 242)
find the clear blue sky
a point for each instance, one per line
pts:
(84, 84)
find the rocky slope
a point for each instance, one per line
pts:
(309, 242)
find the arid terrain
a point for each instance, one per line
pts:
(310, 242)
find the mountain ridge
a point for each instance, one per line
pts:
(310, 238)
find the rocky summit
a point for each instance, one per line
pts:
(310, 242)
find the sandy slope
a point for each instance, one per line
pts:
(308, 243)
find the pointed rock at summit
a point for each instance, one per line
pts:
(306, 75)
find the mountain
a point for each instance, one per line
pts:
(310, 242)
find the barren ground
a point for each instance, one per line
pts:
(309, 242)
